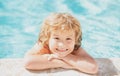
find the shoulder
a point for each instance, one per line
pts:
(78, 51)
(82, 53)
(34, 50)
(37, 49)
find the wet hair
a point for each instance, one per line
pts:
(60, 21)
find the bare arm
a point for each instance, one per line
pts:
(40, 62)
(82, 61)
(34, 61)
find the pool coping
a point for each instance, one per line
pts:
(14, 67)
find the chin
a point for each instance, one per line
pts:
(63, 54)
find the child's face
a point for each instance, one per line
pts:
(62, 42)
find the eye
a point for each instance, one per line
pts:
(56, 38)
(68, 39)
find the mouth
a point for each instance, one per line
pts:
(62, 50)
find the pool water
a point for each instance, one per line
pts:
(20, 22)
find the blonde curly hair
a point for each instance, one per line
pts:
(60, 21)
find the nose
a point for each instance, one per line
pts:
(61, 45)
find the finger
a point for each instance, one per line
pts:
(56, 56)
(49, 58)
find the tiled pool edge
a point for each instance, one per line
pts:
(14, 67)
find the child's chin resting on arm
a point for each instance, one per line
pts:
(59, 45)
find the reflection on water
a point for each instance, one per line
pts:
(20, 22)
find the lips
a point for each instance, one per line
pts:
(61, 50)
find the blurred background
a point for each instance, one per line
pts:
(20, 22)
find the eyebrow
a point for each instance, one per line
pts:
(69, 35)
(55, 35)
(58, 35)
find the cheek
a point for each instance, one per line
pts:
(71, 45)
(52, 43)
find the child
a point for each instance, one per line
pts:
(59, 45)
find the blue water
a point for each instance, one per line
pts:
(20, 23)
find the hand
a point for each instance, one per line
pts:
(53, 56)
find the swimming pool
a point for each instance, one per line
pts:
(20, 23)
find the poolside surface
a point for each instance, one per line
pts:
(14, 67)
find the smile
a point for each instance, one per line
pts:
(61, 50)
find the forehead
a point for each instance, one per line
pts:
(63, 32)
